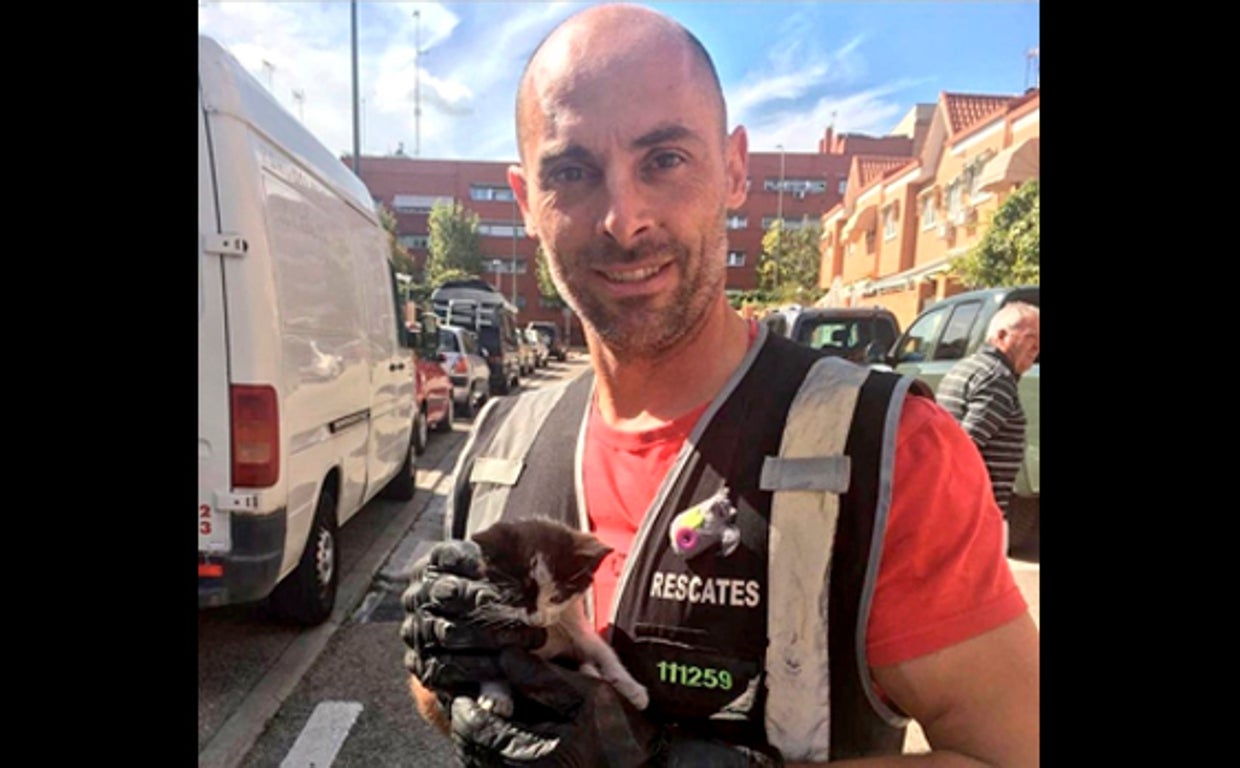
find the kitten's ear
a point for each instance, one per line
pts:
(491, 539)
(591, 550)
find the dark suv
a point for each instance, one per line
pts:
(861, 334)
(555, 344)
(475, 305)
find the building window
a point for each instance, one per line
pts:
(414, 241)
(418, 203)
(498, 229)
(520, 301)
(736, 258)
(955, 198)
(491, 192)
(737, 221)
(502, 266)
(798, 187)
(843, 183)
(889, 221)
(789, 224)
(929, 210)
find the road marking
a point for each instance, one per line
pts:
(324, 733)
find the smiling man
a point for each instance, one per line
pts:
(850, 572)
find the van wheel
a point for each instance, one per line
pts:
(308, 594)
(445, 424)
(421, 433)
(402, 484)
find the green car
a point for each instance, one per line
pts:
(954, 328)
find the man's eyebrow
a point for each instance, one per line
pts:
(674, 132)
(570, 152)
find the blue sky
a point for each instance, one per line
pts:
(788, 69)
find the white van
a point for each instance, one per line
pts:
(305, 371)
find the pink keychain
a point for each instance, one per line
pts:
(704, 524)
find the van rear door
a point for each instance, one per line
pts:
(214, 453)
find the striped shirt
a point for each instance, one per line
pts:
(980, 391)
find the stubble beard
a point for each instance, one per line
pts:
(645, 327)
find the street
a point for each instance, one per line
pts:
(337, 695)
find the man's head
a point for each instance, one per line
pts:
(627, 172)
(1015, 330)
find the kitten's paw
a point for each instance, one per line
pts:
(635, 692)
(496, 704)
(587, 668)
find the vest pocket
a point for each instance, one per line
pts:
(687, 677)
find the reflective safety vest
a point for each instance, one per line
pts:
(761, 641)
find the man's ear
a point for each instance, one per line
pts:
(516, 180)
(737, 158)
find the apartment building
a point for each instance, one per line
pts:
(905, 216)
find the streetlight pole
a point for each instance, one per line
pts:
(417, 83)
(514, 250)
(356, 131)
(779, 236)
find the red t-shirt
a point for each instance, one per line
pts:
(943, 577)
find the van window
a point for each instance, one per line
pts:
(956, 335)
(447, 341)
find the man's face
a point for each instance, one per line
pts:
(1023, 344)
(626, 181)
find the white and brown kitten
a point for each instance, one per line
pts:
(543, 570)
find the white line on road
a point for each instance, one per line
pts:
(320, 740)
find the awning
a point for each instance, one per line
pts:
(861, 222)
(1011, 166)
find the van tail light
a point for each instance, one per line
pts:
(460, 366)
(255, 436)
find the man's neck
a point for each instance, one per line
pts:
(641, 393)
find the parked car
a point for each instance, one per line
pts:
(954, 328)
(542, 354)
(528, 354)
(555, 341)
(467, 368)
(475, 305)
(863, 335)
(436, 408)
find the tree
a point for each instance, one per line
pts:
(546, 286)
(455, 248)
(1008, 252)
(788, 266)
(399, 255)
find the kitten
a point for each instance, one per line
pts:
(543, 570)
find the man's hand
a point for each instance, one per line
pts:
(450, 649)
(563, 718)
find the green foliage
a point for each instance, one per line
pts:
(546, 286)
(399, 256)
(1008, 253)
(788, 267)
(455, 248)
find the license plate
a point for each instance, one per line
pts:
(214, 531)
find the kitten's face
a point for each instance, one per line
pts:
(541, 567)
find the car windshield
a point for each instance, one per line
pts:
(843, 335)
(447, 341)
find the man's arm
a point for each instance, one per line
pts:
(977, 701)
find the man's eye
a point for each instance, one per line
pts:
(665, 160)
(568, 175)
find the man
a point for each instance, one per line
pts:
(627, 173)
(981, 392)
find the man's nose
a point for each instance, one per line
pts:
(627, 215)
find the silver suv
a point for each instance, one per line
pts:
(468, 370)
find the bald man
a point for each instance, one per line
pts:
(850, 574)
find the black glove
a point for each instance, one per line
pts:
(563, 718)
(685, 752)
(450, 649)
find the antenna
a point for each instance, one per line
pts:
(1031, 55)
(417, 83)
(299, 96)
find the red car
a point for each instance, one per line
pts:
(434, 396)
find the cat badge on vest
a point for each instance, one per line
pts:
(542, 570)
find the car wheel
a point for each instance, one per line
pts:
(469, 407)
(308, 594)
(402, 484)
(445, 424)
(421, 433)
